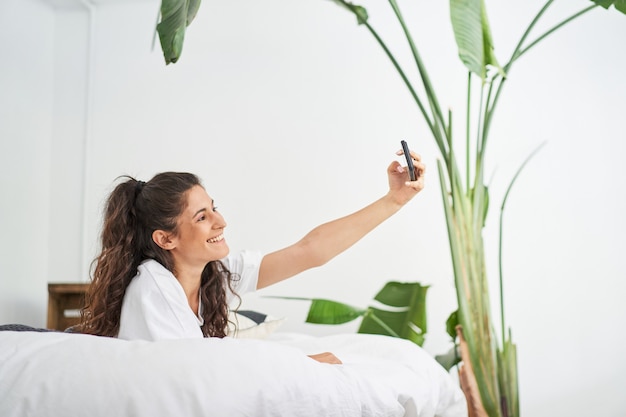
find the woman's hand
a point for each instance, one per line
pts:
(326, 357)
(401, 189)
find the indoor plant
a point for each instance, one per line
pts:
(463, 188)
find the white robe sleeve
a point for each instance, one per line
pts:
(246, 266)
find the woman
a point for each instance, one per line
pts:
(165, 270)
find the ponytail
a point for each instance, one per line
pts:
(117, 263)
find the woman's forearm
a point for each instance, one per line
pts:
(330, 239)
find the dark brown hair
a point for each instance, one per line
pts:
(133, 211)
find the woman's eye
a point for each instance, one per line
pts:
(201, 218)
(214, 208)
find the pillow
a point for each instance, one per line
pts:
(22, 328)
(246, 324)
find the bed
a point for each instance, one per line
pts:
(69, 374)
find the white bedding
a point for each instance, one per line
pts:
(62, 374)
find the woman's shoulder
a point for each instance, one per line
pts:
(151, 274)
(152, 266)
(239, 261)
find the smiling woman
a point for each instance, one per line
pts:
(166, 271)
(157, 231)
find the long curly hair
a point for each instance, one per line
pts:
(133, 211)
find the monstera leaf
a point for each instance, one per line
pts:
(402, 312)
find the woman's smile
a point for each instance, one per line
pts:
(216, 239)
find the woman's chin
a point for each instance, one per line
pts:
(223, 251)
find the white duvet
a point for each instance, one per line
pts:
(61, 374)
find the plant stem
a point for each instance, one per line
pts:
(419, 103)
(451, 155)
(525, 35)
(467, 130)
(506, 196)
(479, 143)
(518, 52)
(430, 92)
(491, 106)
(539, 39)
(482, 140)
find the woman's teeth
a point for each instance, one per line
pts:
(216, 239)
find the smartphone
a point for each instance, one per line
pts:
(409, 160)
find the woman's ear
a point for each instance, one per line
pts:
(163, 239)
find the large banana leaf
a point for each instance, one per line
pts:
(176, 15)
(473, 36)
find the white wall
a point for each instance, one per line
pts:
(291, 113)
(26, 91)
(43, 131)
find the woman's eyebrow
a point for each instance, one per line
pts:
(199, 211)
(204, 209)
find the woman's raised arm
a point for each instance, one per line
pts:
(330, 239)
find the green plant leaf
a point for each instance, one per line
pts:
(501, 232)
(451, 323)
(473, 36)
(391, 323)
(176, 15)
(618, 4)
(449, 359)
(332, 312)
(485, 204)
(508, 378)
(407, 319)
(398, 294)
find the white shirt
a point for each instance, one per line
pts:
(155, 305)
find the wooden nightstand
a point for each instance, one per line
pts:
(64, 303)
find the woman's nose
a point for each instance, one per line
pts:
(220, 222)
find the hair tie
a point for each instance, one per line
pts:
(138, 187)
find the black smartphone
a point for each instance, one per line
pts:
(409, 160)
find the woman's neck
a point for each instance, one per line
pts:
(190, 281)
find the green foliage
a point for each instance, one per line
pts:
(402, 312)
(464, 193)
(450, 358)
(618, 4)
(473, 36)
(466, 199)
(332, 312)
(359, 12)
(176, 15)
(408, 321)
(451, 323)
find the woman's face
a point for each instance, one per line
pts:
(200, 237)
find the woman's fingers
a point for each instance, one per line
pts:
(326, 357)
